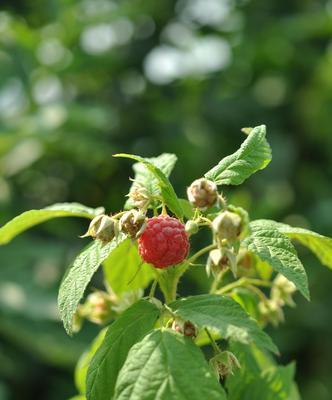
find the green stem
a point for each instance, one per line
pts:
(119, 214)
(217, 281)
(212, 341)
(244, 282)
(201, 252)
(153, 288)
(231, 286)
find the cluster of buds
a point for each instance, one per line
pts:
(103, 227)
(133, 223)
(224, 363)
(281, 295)
(186, 328)
(203, 193)
(106, 228)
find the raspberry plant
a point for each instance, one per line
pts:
(152, 342)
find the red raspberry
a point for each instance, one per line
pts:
(164, 242)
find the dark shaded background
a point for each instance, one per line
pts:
(82, 80)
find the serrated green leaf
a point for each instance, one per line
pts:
(272, 246)
(259, 377)
(225, 315)
(320, 245)
(253, 155)
(164, 184)
(79, 275)
(144, 177)
(127, 330)
(165, 366)
(31, 218)
(124, 269)
(84, 362)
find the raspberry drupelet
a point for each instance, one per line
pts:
(164, 242)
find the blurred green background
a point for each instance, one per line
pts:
(82, 80)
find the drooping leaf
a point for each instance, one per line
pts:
(164, 184)
(253, 155)
(34, 217)
(84, 362)
(320, 245)
(272, 246)
(166, 365)
(79, 275)
(222, 314)
(127, 330)
(124, 269)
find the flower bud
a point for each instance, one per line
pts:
(224, 363)
(133, 223)
(202, 193)
(271, 311)
(186, 328)
(103, 228)
(282, 291)
(191, 227)
(227, 225)
(97, 308)
(216, 262)
(139, 196)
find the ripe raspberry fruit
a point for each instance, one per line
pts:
(164, 242)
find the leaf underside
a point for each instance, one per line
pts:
(79, 275)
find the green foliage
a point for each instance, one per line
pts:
(62, 117)
(124, 269)
(276, 249)
(259, 378)
(139, 356)
(253, 155)
(127, 330)
(79, 275)
(31, 218)
(224, 315)
(166, 365)
(83, 363)
(167, 191)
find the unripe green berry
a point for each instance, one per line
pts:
(191, 227)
